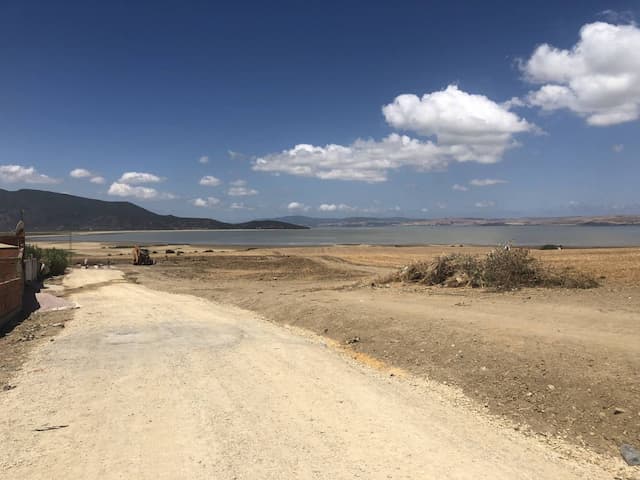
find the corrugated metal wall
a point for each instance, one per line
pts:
(11, 281)
(31, 269)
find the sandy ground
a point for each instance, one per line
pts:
(557, 364)
(149, 384)
(562, 363)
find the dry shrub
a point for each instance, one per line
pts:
(461, 269)
(568, 278)
(508, 268)
(501, 269)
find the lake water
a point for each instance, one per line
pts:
(567, 235)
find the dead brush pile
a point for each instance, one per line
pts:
(501, 269)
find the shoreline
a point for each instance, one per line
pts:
(532, 237)
(262, 246)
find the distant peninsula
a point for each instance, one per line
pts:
(353, 222)
(58, 212)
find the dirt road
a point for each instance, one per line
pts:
(146, 384)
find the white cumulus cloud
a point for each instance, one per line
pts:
(203, 159)
(470, 127)
(206, 202)
(465, 127)
(241, 192)
(363, 160)
(210, 181)
(598, 78)
(236, 155)
(618, 148)
(136, 178)
(459, 188)
(485, 204)
(297, 206)
(119, 189)
(80, 173)
(98, 180)
(240, 206)
(20, 174)
(84, 173)
(332, 207)
(486, 182)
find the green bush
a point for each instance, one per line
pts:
(55, 259)
(32, 251)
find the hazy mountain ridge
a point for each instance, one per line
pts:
(604, 220)
(50, 211)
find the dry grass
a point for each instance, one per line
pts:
(500, 269)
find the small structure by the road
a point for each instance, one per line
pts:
(12, 277)
(11, 281)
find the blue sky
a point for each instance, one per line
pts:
(325, 108)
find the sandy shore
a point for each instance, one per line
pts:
(562, 363)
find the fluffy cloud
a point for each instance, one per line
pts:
(486, 182)
(297, 206)
(598, 78)
(240, 206)
(466, 128)
(459, 188)
(618, 148)
(485, 204)
(119, 189)
(80, 173)
(241, 191)
(332, 207)
(236, 155)
(203, 159)
(20, 174)
(206, 202)
(363, 160)
(136, 178)
(210, 181)
(84, 173)
(470, 127)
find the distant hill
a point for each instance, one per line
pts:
(51, 212)
(314, 222)
(606, 220)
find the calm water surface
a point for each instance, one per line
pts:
(567, 235)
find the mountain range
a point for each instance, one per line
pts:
(313, 222)
(52, 212)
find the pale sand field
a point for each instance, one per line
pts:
(147, 384)
(559, 361)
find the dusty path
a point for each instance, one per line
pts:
(147, 384)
